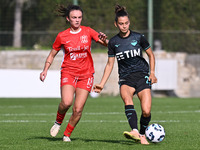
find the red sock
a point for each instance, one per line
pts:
(60, 117)
(68, 130)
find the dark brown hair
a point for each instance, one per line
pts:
(120, 11)
(65, 11)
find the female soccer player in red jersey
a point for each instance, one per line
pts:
(135, 75)
(77, 67)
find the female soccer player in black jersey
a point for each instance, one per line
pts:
(135, 75)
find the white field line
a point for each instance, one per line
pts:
(13, 106)
(88, 121)
(42, 114)
(95, 121)
(49, 106)
(22, 106)
(98, 113)
(121, 121)
(179, 112)
(21, 121)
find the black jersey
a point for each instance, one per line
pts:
(128, 52)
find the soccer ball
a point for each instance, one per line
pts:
(155, 133)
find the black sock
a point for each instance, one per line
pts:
(144, 121)
(131, 116)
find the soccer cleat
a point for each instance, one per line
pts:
(134, 135)
(55, 129)
(143, 140)
(66, 139)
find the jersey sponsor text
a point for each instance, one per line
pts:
(128, 54)
(74, 56)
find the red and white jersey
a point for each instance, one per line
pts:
(77, 50)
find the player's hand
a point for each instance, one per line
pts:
(102, 36)
(152, 78)
(97, 88)
(43, 76)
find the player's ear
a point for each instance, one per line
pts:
(115, 24)
(67, 19)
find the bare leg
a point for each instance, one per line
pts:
(80, 100)
(126, 93)
(67, 94)
(145, 100)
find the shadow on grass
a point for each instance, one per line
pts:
(127, 142)
(45, 138)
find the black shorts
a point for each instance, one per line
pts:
(137, 80)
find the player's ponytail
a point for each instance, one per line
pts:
(120, 11)
(64, 11)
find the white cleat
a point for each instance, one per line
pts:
(55, 129)
(66, 139)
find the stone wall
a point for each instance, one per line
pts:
(36, 59)
(188, 84)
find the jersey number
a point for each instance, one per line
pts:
(147, 80)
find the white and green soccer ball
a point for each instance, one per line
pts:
(155, 133)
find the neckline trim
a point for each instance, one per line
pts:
(75, 32)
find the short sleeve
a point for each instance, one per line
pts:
(57, 43)
(94, 34)
(111, 51)
(144, 43)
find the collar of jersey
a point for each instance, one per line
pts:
(72, 32)
(125, 37)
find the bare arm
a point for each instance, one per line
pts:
(151, 56)
(107, 71)
(47, 64)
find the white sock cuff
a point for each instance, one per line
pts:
(136, 130)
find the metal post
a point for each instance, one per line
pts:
(75, 2)
(150, 22)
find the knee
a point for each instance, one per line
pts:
(146, 113)
(65, 105)
(77, 112)
(128, 101)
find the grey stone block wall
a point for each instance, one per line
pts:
(188, 68)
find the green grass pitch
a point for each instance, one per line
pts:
(25, 124)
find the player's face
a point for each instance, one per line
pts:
(75, 18)
(123, 24)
